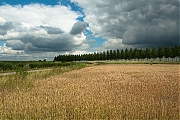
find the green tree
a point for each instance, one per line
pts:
(142, 54)
(154, 53)
(91, 57)
(100, 55)
(176, 51)
(148, 53)
(108, 55)
(135, 54)
(95, 56)
(114, 55)
(118, 54)
(111, 54)
(172, 52)
(126, 54)
(104, 55)
(55, 58)
(167, 52)
(122, 56)
(160, 53)
(130, 53)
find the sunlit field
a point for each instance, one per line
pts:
(110, 91)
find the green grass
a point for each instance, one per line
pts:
(11, 66)
(24, 80)
(17, 81)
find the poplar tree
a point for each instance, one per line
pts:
(126, 54)
(167, 52)
(160, 53)
(154, 53)
(122, 54)
(118, 54)
(108, 55)
(114, 55)
(148, 53)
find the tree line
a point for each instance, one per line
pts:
(127, 54)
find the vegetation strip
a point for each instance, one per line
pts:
(13, 66)
(12, 73)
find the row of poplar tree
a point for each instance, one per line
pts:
(127, 54)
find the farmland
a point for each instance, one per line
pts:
(107, 91)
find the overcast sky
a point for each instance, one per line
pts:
(42, 29)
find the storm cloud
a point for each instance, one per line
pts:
(140, 22)
(32, 44)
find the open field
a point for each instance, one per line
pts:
(134, 62)
(133, 91)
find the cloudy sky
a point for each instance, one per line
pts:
(42, 29)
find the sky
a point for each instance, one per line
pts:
(43, 29)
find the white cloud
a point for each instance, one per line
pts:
(78, 52)
(78, 39)
(115, 44)
(39, 14)
(7, 50)
(2, 21)
(36, 30)
(41, 28)
(34, 15)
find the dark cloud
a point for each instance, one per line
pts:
(140, 22)
(32, 44)
(15, 44)
(40, 39)
(47, 45)
(52, 30)
(159, 24)
(78, 28)
(5, 27)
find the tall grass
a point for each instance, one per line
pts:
(8, 66)
(124, 92)
(24, 80)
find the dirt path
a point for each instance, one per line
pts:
(12, 73)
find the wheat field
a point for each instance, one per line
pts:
(119, 92)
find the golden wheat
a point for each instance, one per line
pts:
(99, 92)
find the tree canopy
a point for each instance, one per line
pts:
(127, 54)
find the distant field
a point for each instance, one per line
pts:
(110, 91)
(135, 62)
